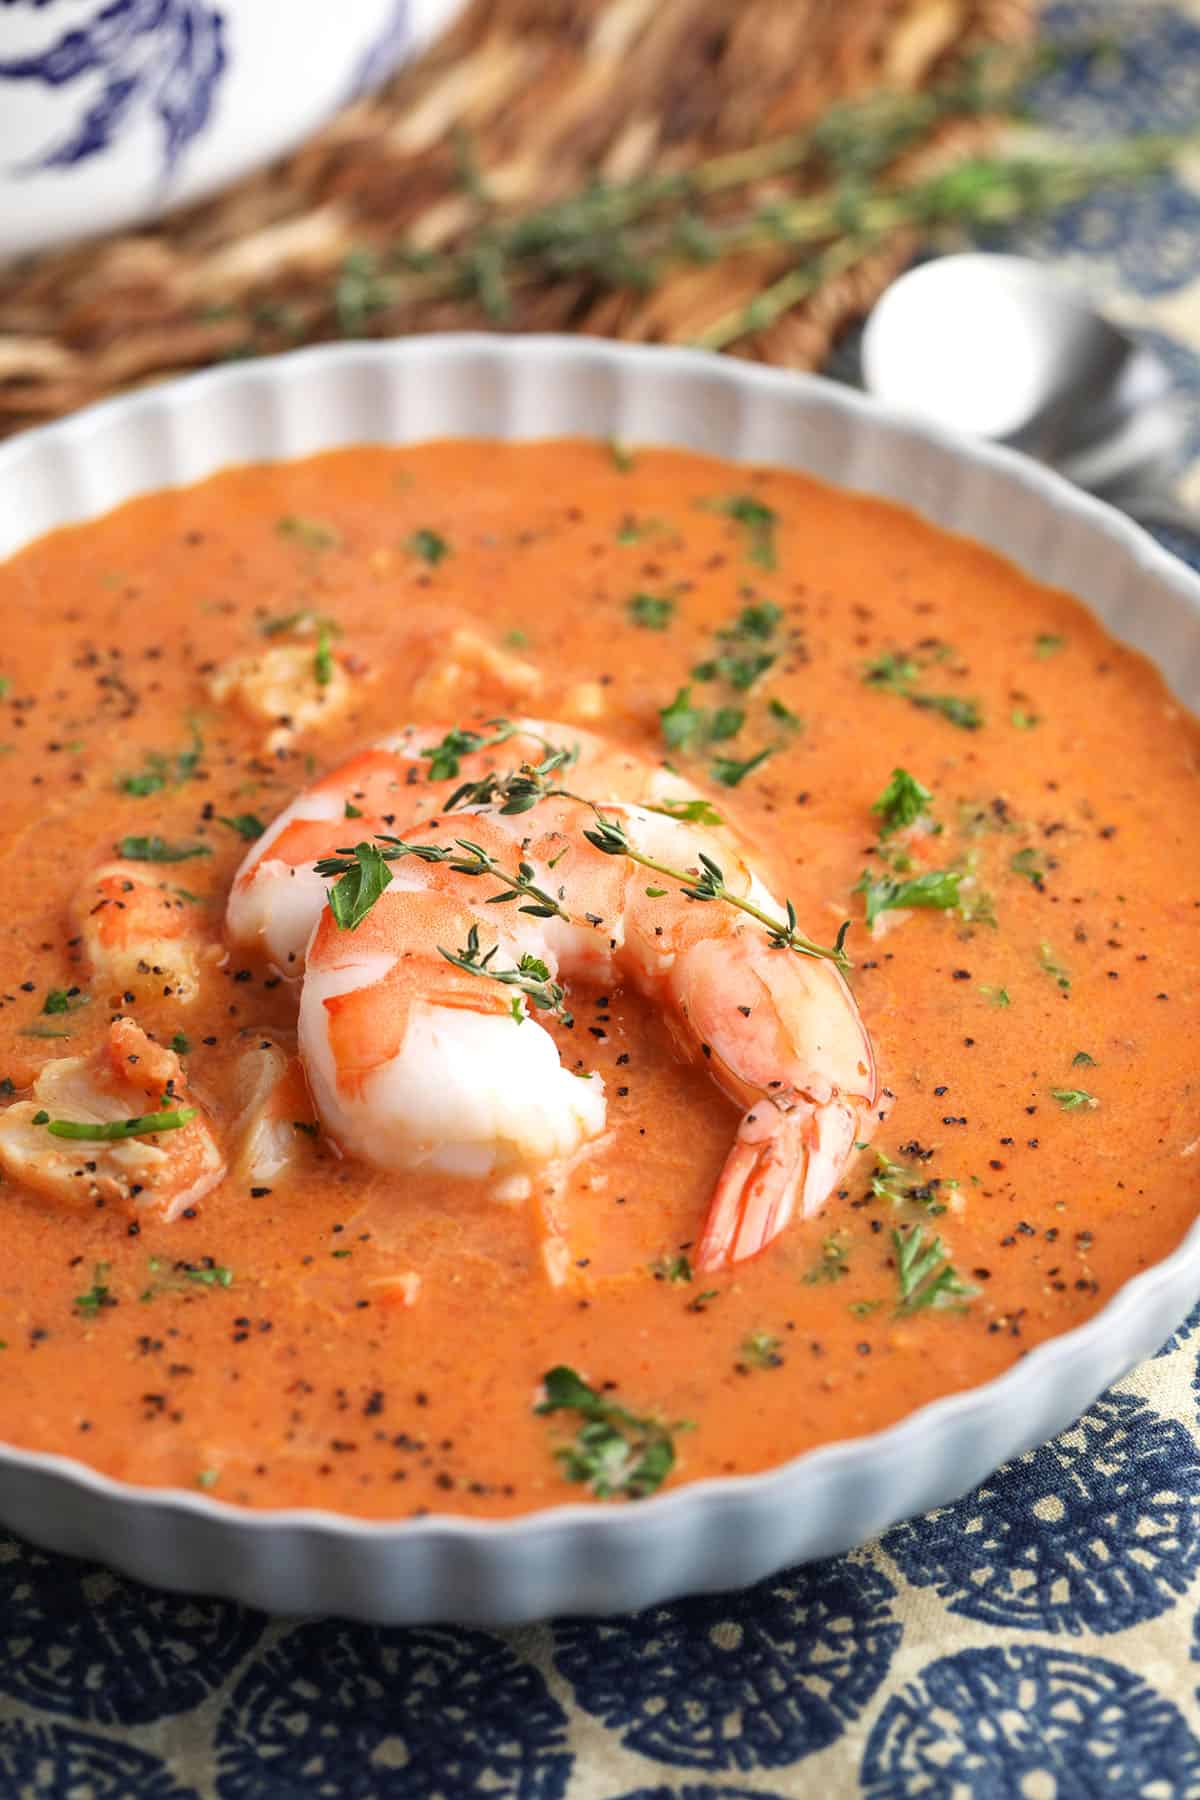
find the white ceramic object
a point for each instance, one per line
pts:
(112, 111)
(710, 1534)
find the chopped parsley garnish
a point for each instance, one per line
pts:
(1031, 864)
(516, 639)
(903, 801)
(729, 771)
(621, 456)
(1081, 1060)
(757, 520)
(653, 612)
(925, 1275)
(735, 663)
(207, 1478)
(897, 672)
(1025, 721)
(531, 976)
(181, 1044)
(181, 1277)
(615, 1451)
(65, 1000)
(634, 531)
(1048, 961)
(247, 825)
(790, 720)
(1047, 643)
(429, 546)
(936, 889)
(833, 1262)
(674, 1269)
(157, 849)
(160, 771)
(323, 659)
(996, 996)
(314, 534)
(99, 1295)
(109, 1131)
(761, 1350)
(681, 722)
(354, 894)
(1074, 1099)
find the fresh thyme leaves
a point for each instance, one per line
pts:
(671, 1268)
(1031, 864)
(925, 1275)
(899, 1185)
(429, 546)
(936, 889)
(708, 883)
(758, 522)
(1081, 1060)
(99, 1295)
(160, 771)
(109, 1131)
(730, 772)
(996, 996)
(686, 727)
(531, 976)
(1047, 643)
(761, 1350)
(736, 663)
(1074, 1099)
(445, 758)
(305, 623)
(791, 721)
(517, 790)
(247, 825)
(653, 612)
(352, 897)
(157, 849)
(323, 659)
(615, 1451)
(314, 534)
(1049, 962)
(362, 870)
(832, 1263)
(898, 672)
(65, 1000)
(183, 1277)
(903, 801)
(692, 812)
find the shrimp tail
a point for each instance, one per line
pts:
(781, 1152)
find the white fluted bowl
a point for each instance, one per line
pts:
(711, 1534)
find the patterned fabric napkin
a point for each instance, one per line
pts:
(1036, 1641)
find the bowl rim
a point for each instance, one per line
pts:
(1014, 1385)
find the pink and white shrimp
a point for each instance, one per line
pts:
(415, 1061)
(277, 896)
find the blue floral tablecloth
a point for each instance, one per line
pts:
(1038, 1641)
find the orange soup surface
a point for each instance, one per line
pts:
(377, 1342)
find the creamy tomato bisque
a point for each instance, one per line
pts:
(212, 1291)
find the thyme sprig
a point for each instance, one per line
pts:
(531, 977)
(362, 876)
(517, 790)
(708, 883)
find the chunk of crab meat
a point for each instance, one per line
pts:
(468, 667)
(127, 1076)
(140, 935)
(272, 1095)
(289, 688)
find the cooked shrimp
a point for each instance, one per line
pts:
(277, 896)
(275, 1110)
(413, 1059)
(288, 688)
(128, 1077)
(140, 935)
